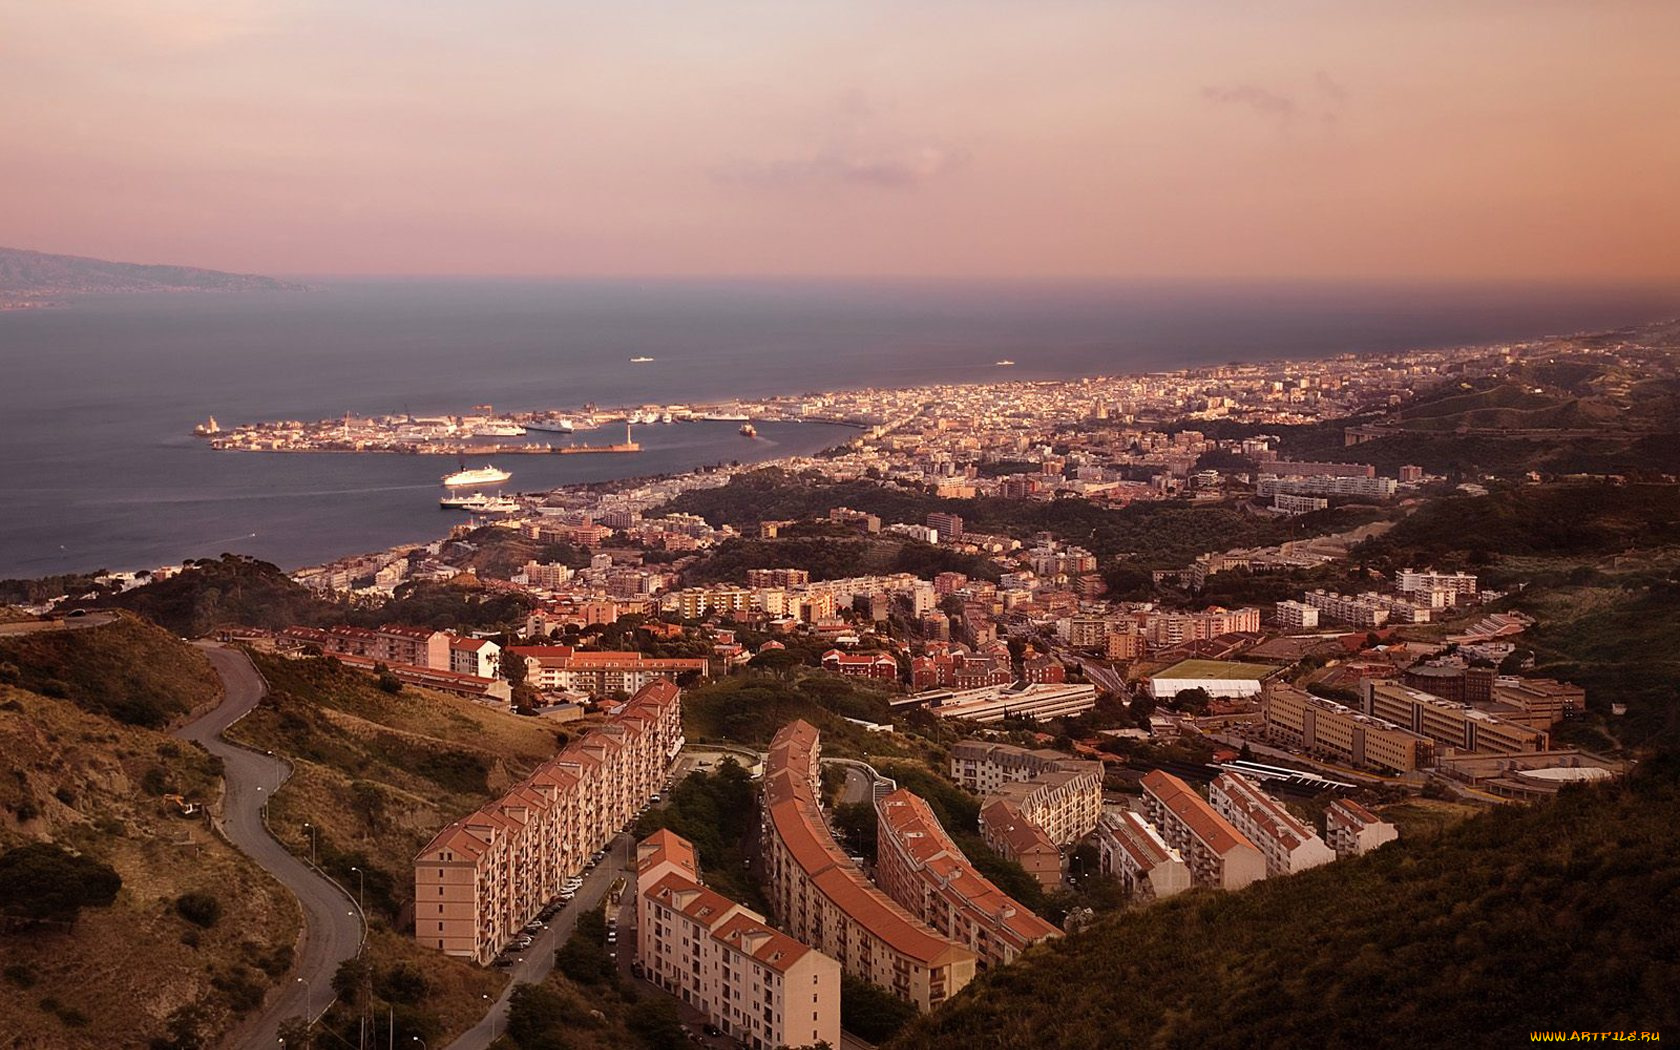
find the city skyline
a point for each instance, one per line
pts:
(1060, 141)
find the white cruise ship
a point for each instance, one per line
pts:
(485, 475)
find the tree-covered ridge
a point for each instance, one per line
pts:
(127, 670)
(1558, 916)
(1155, 534)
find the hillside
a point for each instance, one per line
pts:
(139, 969)
(1552, 917)
(213, 592)
(26, 275)
(128, 670)
(377, 774)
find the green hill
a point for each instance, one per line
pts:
(1556, 917)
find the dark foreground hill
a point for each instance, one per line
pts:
(1558, 917)
(30, 275)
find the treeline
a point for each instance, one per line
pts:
(1557, 916)
(832, 559)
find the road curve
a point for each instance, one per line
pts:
(332, 928)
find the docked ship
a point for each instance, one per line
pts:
(485, 475)
(207, 429)
(497, 428)
(479, 503)
(748, 430)
(550, 424)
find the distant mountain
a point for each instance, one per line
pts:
(27, 276)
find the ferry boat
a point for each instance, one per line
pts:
(551, 425)
(479, 503)
(748, 430)
(1005, 363)
(640, 360)
(485, 475)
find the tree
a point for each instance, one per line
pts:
(294, 1033)
(1141, 707)
(200, 909)
(350, 981)
(536, 1017)
(44, 882)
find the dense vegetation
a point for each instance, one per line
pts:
(748, 709)
(211, 592)
(44, 882)
(1151, 534)
(718, 812)
(1552, 917)
(828, 558)
(1570, 520)
(127, 670)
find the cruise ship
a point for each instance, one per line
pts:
(485, 475)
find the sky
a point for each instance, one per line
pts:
(1342, 140)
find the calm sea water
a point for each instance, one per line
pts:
(97, 399)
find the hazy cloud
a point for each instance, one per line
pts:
(899, 168)
(1251, 96)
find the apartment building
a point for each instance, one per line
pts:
(471, 687)
(1217, 854)
(919, 866)
(861, 665)
(1359, 611)
(1132, 850)
(1292, 505)
(412, 646)
(1428, 581)
(1326, 729)
(599, 673)
(1350, 829)
(475, 656)
(1008, 833)
(762, 987)
(482, 878)
(1370, 488)
(777, 577)
(1171, 628)
(949, 526)
(821, 898)
(1296, 616)
(1286, 842)
(1447, 723)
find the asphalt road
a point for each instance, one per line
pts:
(332, 926)
(69, 623)
(538, 959)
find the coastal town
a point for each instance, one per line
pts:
(1131, 717)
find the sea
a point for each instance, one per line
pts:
(98, 397)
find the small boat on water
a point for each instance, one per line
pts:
(748, 430)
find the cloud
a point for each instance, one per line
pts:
(1261, 100)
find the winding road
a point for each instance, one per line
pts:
(333, 928)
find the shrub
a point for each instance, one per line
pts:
(200, 909)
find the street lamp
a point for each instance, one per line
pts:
(491, 1009)
(314, 840)
(421, 1041)
(308, 999)
(276, 758)
(361, 888)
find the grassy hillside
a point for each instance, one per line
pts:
(124, 973)
(377, 774)
(1554, 917)
(128, 670)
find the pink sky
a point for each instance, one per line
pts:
(1356, 139)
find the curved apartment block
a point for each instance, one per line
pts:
(921, 868)
(822, 899)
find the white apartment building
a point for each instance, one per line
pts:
(1350, 829)
(1296, 616)
(1287, 843)
(1132, 850)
